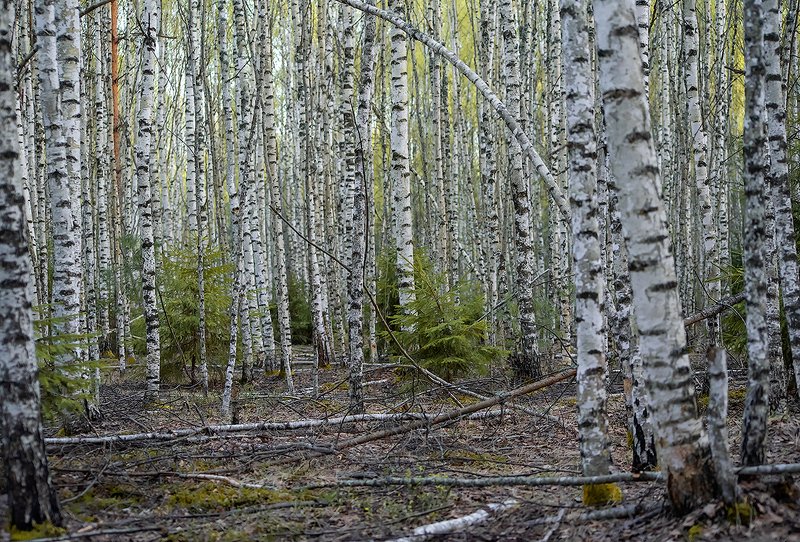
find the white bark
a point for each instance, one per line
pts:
(586, 249)
(755, 258)
(32, 498)
(150, 21)
(682, 445)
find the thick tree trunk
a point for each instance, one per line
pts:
(682, 446)
(32, 498)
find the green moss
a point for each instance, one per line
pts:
(105, 497)
(629, 439)
(210, 496)
(695, 531)
(39, 530)
(740, 513)
(462, 456)
(601, 494)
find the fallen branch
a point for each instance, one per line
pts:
(778, 468)
(441, 418)
(237, 428)
(102, 532)
(626, 511)
(720, 306)
(530, 481)
(649, 476)
(457, 524)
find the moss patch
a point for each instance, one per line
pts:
(695, 532)
(601, 494)
(209, 496)
(39, 530)
(740, 513)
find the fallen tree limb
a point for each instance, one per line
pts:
(441, 418)
(780, 468)
(531, 481)
(720, 306)
(457, 524)
(238, 428)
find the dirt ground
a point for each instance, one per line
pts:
(171, 490)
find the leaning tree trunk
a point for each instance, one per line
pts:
(31, 496)
(682, 445)
(589, 280)
(756, 409)
(150, 25)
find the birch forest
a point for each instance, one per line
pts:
(399, 270)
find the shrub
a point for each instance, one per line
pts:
(444, 330)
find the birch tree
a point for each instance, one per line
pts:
(400, 174)
(151, 15)
(683, 449)
(756, 410)
(32, 497)
(586, 250)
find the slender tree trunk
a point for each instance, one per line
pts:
(361, 185)
(589, 288)
(777, 176)
(400, 174)
(151, 16)
(756, 410)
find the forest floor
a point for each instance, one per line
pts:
(183, 489)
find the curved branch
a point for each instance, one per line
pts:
(527, 147)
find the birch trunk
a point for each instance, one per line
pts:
(586, 250)
(151, 16)
(526, 358)
(682, 445)
(708, 255)
(777, 177)
(361, 185)
(755, 258)
(400, 174)
(31, 495)
(66, 242)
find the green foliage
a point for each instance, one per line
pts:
(63, 386)
(180, 321)
(299, 311)
(444, 329)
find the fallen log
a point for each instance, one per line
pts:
(648, 476)
(238, 428)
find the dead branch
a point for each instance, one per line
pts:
(782, 468)
(238, 428)
(457, 524)
(530, 481)
(720, 306)
(442, 418)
